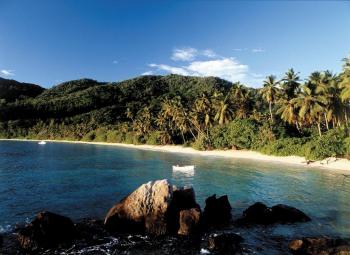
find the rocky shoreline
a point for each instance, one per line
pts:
(160, 218)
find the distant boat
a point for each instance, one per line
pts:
(42, 142)
(183, 168)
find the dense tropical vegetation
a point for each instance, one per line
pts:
(285, 117)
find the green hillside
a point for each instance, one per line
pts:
(11, 90)
(284, 117)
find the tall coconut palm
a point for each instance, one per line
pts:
(270, 92)
(345, 86)
(329, 88)
(290, 83)
(143, 122)
(203, 110)
(174, 112)
(224, 112)
(289, 112)
(311, 107)
(240, 97)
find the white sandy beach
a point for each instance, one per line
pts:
(330, 163)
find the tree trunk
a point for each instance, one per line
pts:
(319, 128)
(270, 108)
(326, 120)
(346, 118)
(192, 133)
(183, 137)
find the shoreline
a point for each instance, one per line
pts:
(333, 163)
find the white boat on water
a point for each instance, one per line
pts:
(183, 168)
(42, 142)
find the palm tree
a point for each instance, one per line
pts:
(289, 112)
(345, 86)
(240, 96)
(224, 112)
(270, 92)
(143, 122)
(203, 112)
(290, 84)
(311, 107)
(129, 114)
(329, 88)
(174, 113)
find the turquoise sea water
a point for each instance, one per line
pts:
(80, 180)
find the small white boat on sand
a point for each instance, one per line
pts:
(183, 168)
(42, 142)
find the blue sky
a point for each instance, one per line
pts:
(48, 42)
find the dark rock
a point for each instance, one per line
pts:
(1, 240)
(47, 230)
(145, 209)
(90, 231)
(217, 211)
(320, 245)
(183, 199)
(259, 213)
(228, 243)
(189, 221)
(284, 213)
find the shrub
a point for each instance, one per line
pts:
(100, 135)
(132, 138)
(242, 134)
(331, 144)
(90, 136)
(219, 137)
(115, 136)
(201, 143)
(347, 148)
(285, 147)
(153, 138)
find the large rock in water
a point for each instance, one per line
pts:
(320, 245)
(226, 243)
(184, 199)
(259, 213)
(144, 209)
(287, 214)
(47, 230)
(189, 221)
(217, 211)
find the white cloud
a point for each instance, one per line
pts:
(171, 69)
(148, 73)
(190, 54)
(7, 72)
(115, 62)
(258, 50)
(184, 54)
(225, 68)
(209, 53)
(207, 63)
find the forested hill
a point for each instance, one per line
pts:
(10, 90)
(284, 117)
(90, 104)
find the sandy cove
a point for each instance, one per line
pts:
(330, 163)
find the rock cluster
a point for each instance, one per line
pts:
(320, 245)
(47, 230)
(162, 210)
(259, 213)
(156, 208)
(217, 211)
(226, 243)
